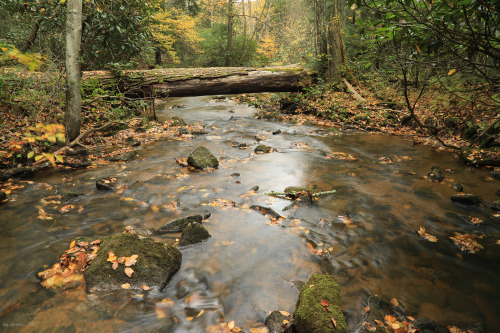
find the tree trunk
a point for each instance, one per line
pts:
(229, 33)
(32, 37)
(336, 49)
(73, 115)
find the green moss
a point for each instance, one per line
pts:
(311, 315)
(156, 263)
(193, 233)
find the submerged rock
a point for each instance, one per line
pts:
(266, 211)
(495, 174)
(318, 303)
(126, 157)
(466, 199)
(202, 158)
(179, 224)
(156, 263)
(436, 174)
(193, 233)
(275, 321)
(457, 187)
(105, 185)
(68, 195)
(131, 141)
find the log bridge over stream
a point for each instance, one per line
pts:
(178, 82)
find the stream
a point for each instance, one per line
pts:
(367, 230)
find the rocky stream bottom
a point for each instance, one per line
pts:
(254, 226)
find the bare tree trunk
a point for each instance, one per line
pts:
(73, 115)
(244, 18)
(32, 37)
(229, 32)
(250, 22)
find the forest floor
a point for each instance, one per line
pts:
(27, 138)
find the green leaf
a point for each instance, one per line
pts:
(30, 154)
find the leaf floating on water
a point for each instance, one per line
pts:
(454, 329)
(115, 265)
(466, 242)
(475, 220)
(144, 287)
(125, 286)
(365, 310)
(129, 271)
(426, 235)
(498, 242)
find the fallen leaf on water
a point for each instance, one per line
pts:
(72, 243)
(466, 242)
(129, 271)
(231, 325)
(226, 243)
(144, 287)
(379, 323)
(498, 242)
(394, 302)
(365, 310)
(125, 286)
(201, 312)
(190, 318)
(475, 220)
(115, 265)
(426, 235)
(259, 330)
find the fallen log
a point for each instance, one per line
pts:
(177, 82)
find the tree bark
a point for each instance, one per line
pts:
(73, 115)
(229, 32)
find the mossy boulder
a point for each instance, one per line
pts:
(156, 263)
(105, 185)
(193, 233)
(68, 195)
(318, 303)
(481, 157)
(202, 158)
(126, 157)
(296, 189)
(262, 149)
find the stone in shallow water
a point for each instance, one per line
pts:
(436, 174)
(466, 199)
(193, 233)
(156, 263)
(179, 224)
(202, 158)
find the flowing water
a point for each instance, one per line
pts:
(251, 265)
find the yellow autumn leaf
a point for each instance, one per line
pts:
(452, 71)
(129, 271)
(125, 286)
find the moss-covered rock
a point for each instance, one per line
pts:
(318, 303)
(202, 158)
(178, 121)
(262, 149)
(297, 189)
(277, 321)
(156, 263)
(179, 224)
(68, 195)
(193, 233)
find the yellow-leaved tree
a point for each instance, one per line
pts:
(267, 49)
(174, 31)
